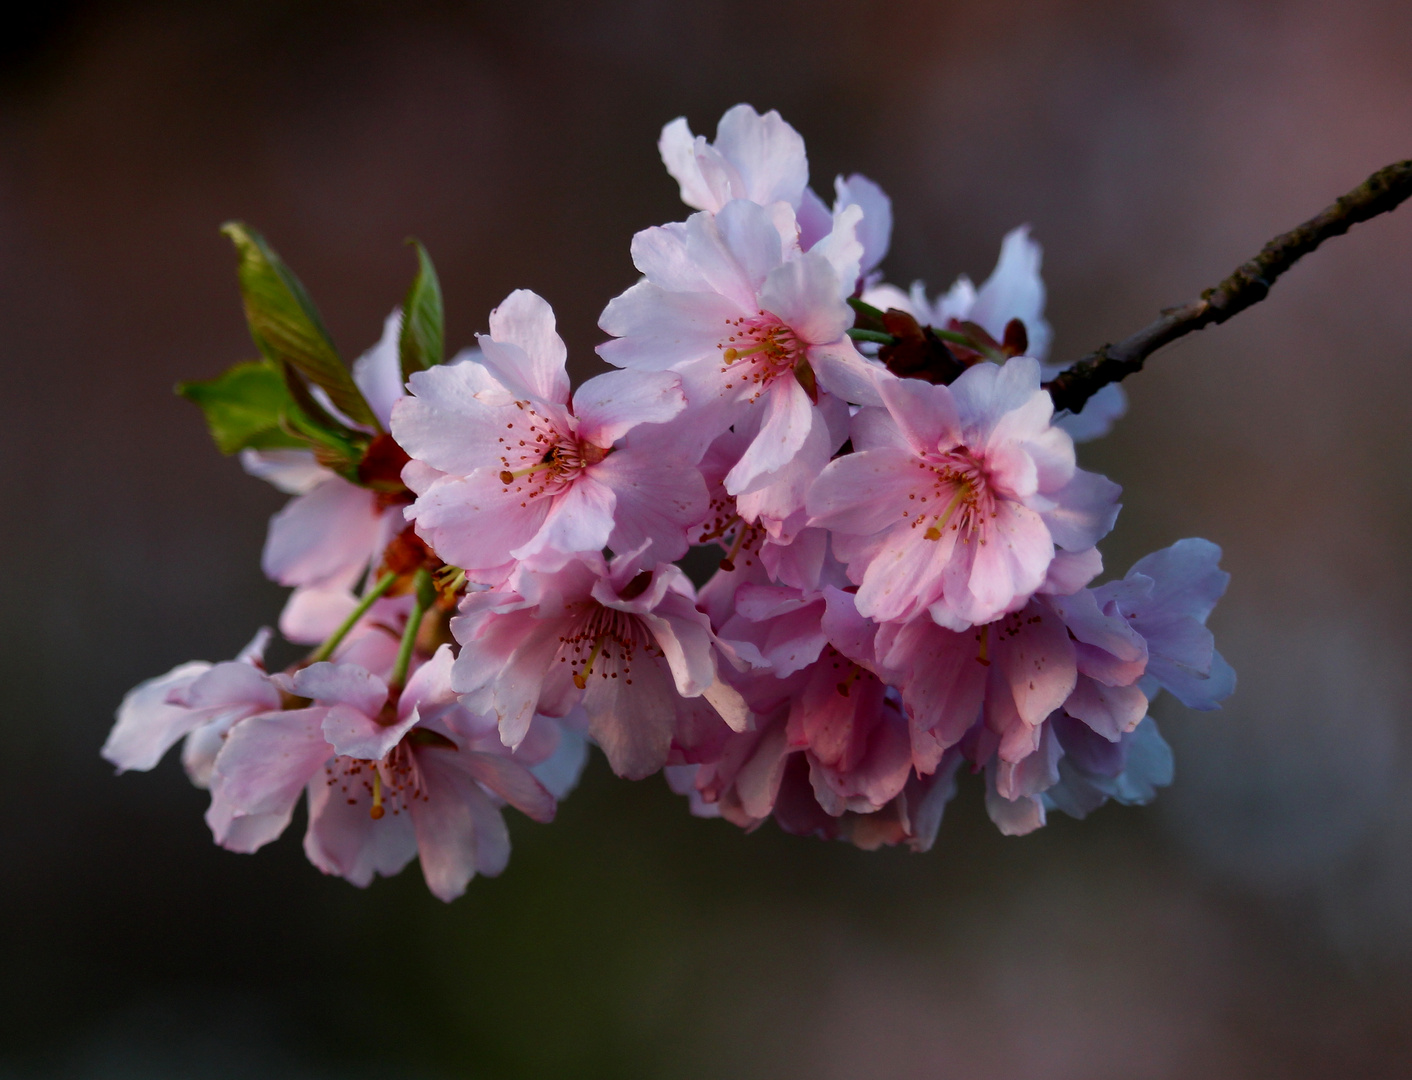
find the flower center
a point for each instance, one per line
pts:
(605, 644)
(394, 783)
(759, 349)
(953, 494)
(539, 457)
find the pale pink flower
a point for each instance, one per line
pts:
(506, 466)
(757, 331)
(760, 774)
(627, 645)
(956, 497)
(1014, 290)
(1128, 637)
(197, 701)
(762, 159)
(754, 157)
(386, 781)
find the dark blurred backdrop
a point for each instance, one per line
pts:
(1256, 922)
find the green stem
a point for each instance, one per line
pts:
(325, 650)
(424, 595)
(871, 335)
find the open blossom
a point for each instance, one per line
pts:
(507, 466)
(957, 496)
(757, 158)
(756, 329)
(196, 701)
(904, 586)
(1014, 290)
(762, 159)
(626, 645)
(1121, 642)
(761, 774)
(386, 780)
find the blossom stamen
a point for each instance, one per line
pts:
(377, 810)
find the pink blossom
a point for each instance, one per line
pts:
(195, 700)
(627, 645)
(507, 467)
(754, 157)
(386, 781)
(756, 329)
(760, 775)
(1014, 290)
(1129, 637)
(956, 497)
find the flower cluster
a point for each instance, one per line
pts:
(484, 559)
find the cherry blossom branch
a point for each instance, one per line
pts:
(1249, 284)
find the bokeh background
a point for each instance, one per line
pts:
(1256, 922)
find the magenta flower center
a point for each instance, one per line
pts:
(759, 349)
(541, 457)
(953, 494)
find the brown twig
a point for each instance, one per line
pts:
(1250, 284)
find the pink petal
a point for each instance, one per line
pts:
(788, 420)
(327, 536)
(655, 329)
(631, 720)
(535, 359)
(510, 780)
(348, 684)
(448, 827)
(609, 405)
(767, 152)
(1111, 711)
(804, 292)
(267, 760)
(657, 498)
(147, 726)
(925, 415)
(451, 424)
(579, 519)
(475, 522)
(378, 372)
(343, 839)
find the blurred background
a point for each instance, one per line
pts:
(1257, 921)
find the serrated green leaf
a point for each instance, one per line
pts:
(244, 407)
(422, 344)
(286, 325)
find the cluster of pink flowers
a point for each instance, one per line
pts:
(485, 559)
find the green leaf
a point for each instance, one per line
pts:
(286, 326)
(337, 447)
(244, 407)
(422, 342)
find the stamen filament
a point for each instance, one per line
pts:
(728, 563)
(377, 811)
(934, 533)
(508, 477)
(581, 677)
